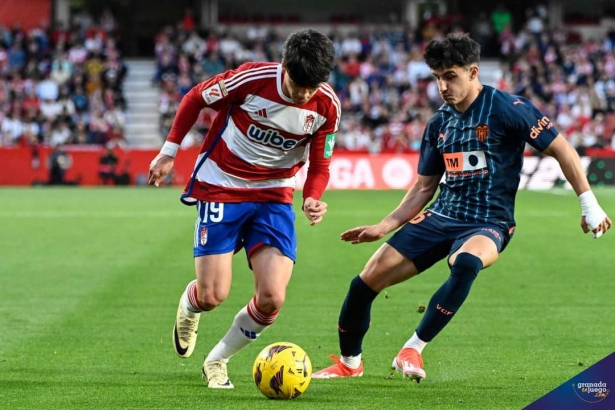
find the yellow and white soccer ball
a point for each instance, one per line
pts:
(282, 370)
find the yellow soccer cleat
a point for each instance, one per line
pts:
(215, 374)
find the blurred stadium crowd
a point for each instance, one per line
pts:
(386, 90)
(64, 86)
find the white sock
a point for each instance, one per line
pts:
(352, 362)
(188, 300)
(247, 326)
(415, 343)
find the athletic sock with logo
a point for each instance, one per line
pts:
(247, 326)
(448, 299)
(354, 321)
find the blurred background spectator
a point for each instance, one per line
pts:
(386, 90)
(62, 85)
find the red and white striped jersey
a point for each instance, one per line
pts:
(264, 138)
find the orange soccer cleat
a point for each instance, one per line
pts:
(410, 363)
(338, 369)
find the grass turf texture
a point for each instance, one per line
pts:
(90, 279)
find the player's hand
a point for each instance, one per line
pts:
(362, 234)
(159, 168)
(597, 222)
(314, 210)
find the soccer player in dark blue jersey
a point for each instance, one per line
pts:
(477, 139)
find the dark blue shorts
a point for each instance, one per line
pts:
(431, 237)
(227, 227)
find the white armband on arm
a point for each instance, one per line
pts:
(591, 210)
(169, 148)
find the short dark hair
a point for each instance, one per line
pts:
(308, 57)
(455, 50)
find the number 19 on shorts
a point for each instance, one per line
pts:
(211, 211)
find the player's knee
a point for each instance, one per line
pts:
(209, 300)
(466, 267)
(270, 302)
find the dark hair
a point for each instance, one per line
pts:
(455, 50)
(308, 58)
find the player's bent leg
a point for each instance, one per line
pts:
(213, 275)
(481, 246)
(272, 272)
(475, 253)
(203, 294)
(385, 268)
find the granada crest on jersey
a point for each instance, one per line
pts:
(309, 124)
(482, 130)
(203, 235)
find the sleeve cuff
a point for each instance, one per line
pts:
(169, 148)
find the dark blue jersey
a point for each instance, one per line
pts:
(481, 151)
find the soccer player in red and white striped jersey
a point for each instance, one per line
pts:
(272, 118)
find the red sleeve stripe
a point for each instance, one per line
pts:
(328, 91)
(252, 72)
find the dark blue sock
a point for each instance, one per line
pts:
(355, 317)
(448, 299)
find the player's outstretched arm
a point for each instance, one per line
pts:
(186, 116)
(412, 203)
(593, 217)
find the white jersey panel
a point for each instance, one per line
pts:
(212, 174)
(295, 120)
(256, 153)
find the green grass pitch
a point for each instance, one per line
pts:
(90, 279)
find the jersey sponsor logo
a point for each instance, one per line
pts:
(544, 123)
(465, 164)
(270, 137)
(309, 124)
(214, 93)
(329, 144)
(482, 131)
